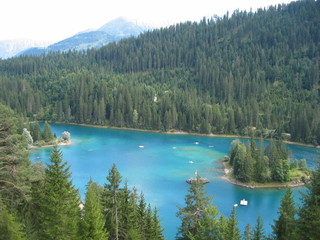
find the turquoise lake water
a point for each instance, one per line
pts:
(160, 169)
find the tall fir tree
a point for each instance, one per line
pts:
(111, 202)
(36, 132)
(248, 233)
(59, 211)
(157, 231)
(47, 133)
(233, 232)
(284, 226)
(191, 215)
(92, 225)
(212, 227)
(258, 233)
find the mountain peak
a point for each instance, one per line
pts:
(122, 27)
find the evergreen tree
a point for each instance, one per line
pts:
(59, 202)
(128, 211)
(284, 226)
(92, 225)
(233, 232)
(248, 233)
(10, 229)
(309, 212)
(36, 132)
(111, 202)
(47, 133)
(192, 214)
(157, 231)
(211, 226)
(258, 233)
(142, 217)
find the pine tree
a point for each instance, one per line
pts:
(10, 229)
(248, 233)
(211, 226)
(309, 213)
(142, 216)
(59, 203)
(258, 233)
(157, 231)
(127, 210)
(111, 202)
(47, 133)
(36, 132)
(192, 214)
(93, 220)
(284, 227)
(233, 232)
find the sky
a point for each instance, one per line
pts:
(54, 20)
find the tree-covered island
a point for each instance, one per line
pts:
(251, 166)
(37, 138)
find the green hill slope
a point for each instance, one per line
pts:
(246, 73)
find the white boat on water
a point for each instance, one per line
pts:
(141, 146)
(190, 162)
(244, 202)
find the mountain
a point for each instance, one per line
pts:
(122, 28)
(249, 73)
(9, 48)
(112, 31)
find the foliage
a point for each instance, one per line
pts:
(16, 171)
(258, 233)
(10, 229)
(59, 212)
(192, 214)
(126, 215)
(28, 136)
(284, 227)
(233, 232)
(259, 165)
(47, 133)
(66, 136)
(92, 224)
(309, 212)
(247, 73)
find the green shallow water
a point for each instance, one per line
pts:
(160, 169)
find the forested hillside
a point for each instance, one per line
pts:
(245, 73)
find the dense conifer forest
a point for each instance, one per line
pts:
(40, 202)
(246, 73)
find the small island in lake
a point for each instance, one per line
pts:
(202, 180)
(36, 138)
(269, 167)
(197, 179)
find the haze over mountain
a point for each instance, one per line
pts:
(112, 31)
(9, 48)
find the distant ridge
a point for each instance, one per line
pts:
(112, 31)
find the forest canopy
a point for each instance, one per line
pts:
(246, 73)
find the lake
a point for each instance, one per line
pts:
(160, 168)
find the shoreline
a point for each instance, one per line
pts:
(261, 186)
(271, 185)
(179, 132)
(64, 143)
